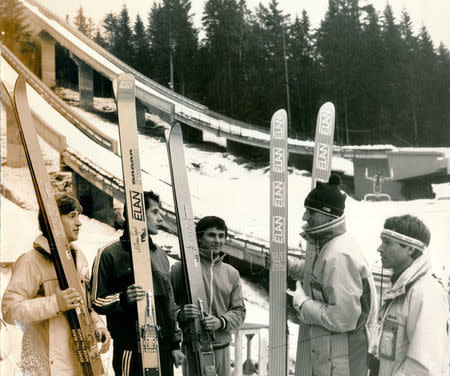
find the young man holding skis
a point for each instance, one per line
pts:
(413, 323)
(34, 301)
(224, 306)
(115, 294)
(343, 300)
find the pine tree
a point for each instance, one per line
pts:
(442, 92)
(224, 25)
(172, 37)
(98, 38)
(15, 35)
(372, 67)
(303, 76)
(12, 26)
(393, 114)
(122, 47)
(140, 47)
(339, 45)
(110, 24)
(82, 23)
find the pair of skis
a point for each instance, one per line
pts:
(82, 329)
(323, 150)
(201, 338)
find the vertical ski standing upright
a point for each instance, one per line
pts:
(321, 170)
(147, 328)
(201, 339)
(82, 329)
(278, 244)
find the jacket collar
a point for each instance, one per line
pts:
(410, 275)
(324, 233)
(41, 245)
(211, 259)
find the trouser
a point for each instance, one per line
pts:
(221, 358)
(127, 361)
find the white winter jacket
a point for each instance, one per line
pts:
(343, 305)
(414, 322)
(30, 302)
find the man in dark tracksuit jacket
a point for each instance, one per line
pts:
(114, 294)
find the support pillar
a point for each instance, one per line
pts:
(48, 59)
(15, 155)
(96, 203)
(140, 114)
(85, 83)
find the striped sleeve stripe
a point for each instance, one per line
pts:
(95, 271)
(101, 302)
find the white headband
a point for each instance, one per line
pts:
(403, 239)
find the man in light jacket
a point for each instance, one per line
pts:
(413, 335)
(343, 302)
(34, 301)
(225, 303)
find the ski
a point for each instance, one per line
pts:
(321, 170)
(83, 332)
(278, 244)
(201, 338)
(147, 329)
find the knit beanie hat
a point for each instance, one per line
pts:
(327, 197)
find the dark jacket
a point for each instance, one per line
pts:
(112, 273)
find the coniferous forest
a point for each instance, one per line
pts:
(389, 84)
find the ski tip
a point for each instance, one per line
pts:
(278, 126)
(21, 82)
(327, 106)
(126, 84)
(280, 113)
(176, 130)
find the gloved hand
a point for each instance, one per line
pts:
(299, 297)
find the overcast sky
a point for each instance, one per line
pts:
(432, 13)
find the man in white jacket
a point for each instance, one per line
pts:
(343, 302)
(413, 334)
(34, 301)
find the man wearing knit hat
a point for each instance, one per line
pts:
(342, 305)
(413, 334)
